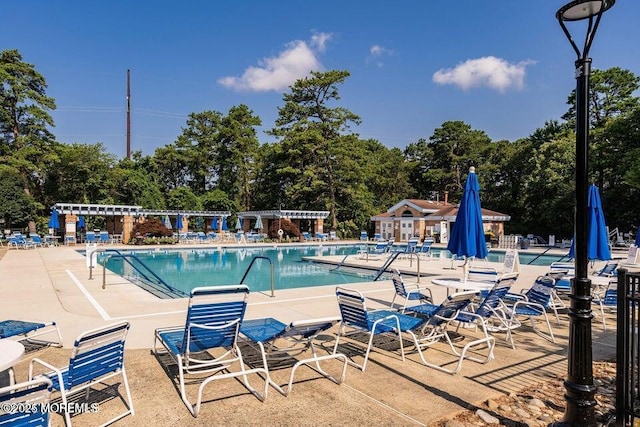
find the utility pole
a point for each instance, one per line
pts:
(128, 114)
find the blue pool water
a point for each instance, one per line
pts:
(184, 269)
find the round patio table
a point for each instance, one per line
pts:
(456, 283)
(10, 353)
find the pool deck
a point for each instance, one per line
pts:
(53, 284)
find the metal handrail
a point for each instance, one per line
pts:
(273, 294)
(127, 258)
(357, 245)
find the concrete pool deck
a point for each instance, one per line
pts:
(53, 284)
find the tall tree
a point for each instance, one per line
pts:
(610, 95)
(236, 155)
(313, 133)
(25, 141)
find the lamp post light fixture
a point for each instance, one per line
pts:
(579, 385)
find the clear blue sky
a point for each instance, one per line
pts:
(502, 66)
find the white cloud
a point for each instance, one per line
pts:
(276, 73)
(319, 40)
(376, 52)
(489, 71)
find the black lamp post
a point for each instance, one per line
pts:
(580, 389)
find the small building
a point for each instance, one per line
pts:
(425, 218)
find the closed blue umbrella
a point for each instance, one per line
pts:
(81, 223)
(467, 236)
(53, 219)
(214, 223)
(224, 223)
(638, 237)
(258, 225)
(179, 223)
(167, 222)
(239, 223)
(598, 239)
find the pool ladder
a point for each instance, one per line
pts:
(155, 281)
(273, 291)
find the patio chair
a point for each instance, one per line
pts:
(355, 317)
(307, 236)
(32, 395)
(97, 355)
(435, 329)
(606, 298)
(104, 237)
(489, 314)
(364, 236)
(482, 274)
(533, 303)
(416, 293)
(632, 256)
(90, 237)
(28, 330)
(425, 250)
(376, 252)
(333, 236)
(208, 342)
(69, 240)
(37, 241)
(279, 343)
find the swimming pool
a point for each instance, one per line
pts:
(185, 269)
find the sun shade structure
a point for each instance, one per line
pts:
(258, 225)
(167, 222)
(179, 222)
(467, 236)
(239, 223)
(214, 223)
(81, 223)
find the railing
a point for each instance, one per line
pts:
(145, 272)
(273, 293)
(357, 245)
(628, 349)
(387, 263)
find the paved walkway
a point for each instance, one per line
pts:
(53, 283)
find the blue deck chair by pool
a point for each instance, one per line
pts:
(34, 395)
(374, 252)
(307, 236)
(208, 342)
(104, 237)
(489, 314)
(425, 250)
(435, 329)
(97, 355)
(355, 318)
(533, 304)
(29, 330)
(90, 237)
(607, 297)
(279, 343)
(406, 293)
(364, 236)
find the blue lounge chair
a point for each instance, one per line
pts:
(355, 318)
(425, 250)
(533, 303)
(607, 298)
(435, 328)
(279, 342)
(28, 330)
(364, 236)
(97, 355)
(490, 314)
(34, 395)
(213, 322)
(90, 237)
(104, 237)
(414, 294)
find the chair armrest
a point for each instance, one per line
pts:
(418, 289)
(36, 361)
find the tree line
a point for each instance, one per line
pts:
(317, 161)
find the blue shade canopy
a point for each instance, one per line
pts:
(598, 238)
(81, 223)
(467, 236)
(239, 223)
(638, 237)
(53, 219)
(214, 223)
(167, 222)
(179, 223)
(258, 225)
(224, 223)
